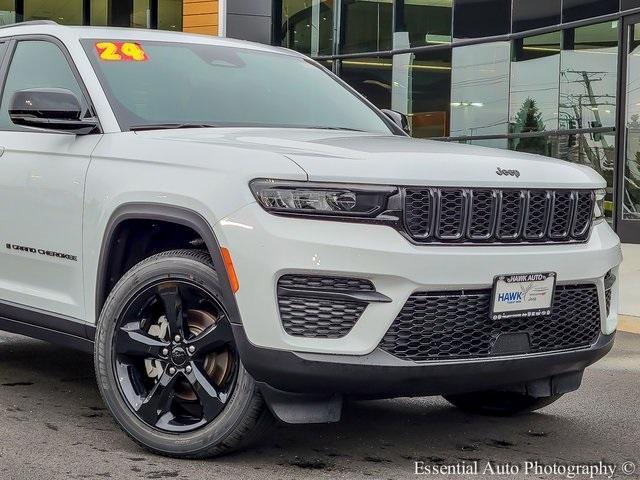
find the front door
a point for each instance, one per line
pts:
(42, 177)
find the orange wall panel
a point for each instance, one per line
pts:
(200, 16)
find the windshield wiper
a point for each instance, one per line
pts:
(170, 126)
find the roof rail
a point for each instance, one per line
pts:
(30, 22)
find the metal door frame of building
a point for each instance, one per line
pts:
(628, 230)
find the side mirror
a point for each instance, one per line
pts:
(55, 109)
(399, 119)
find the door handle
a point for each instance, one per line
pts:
(1, 151)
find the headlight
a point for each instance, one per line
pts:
(598, 208)
(333, 199)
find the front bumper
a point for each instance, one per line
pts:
(381, 375)
(264, 247)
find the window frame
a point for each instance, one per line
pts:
(12, 41)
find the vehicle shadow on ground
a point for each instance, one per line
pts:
(376, 436)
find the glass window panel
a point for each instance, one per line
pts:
(539, 144)
(7, 12)
(141, 14)
(170, 15)
(528, 14)
(535, 73)
(491, 143)
(131, 13)
(366, 26)
(422, 90)
(594, 150)
(422, 22)
(580, 9)
(36, 64)
(328, 64)
(481, 18)
(589, 77)
(67, 12)
(631, 203)
(627, 4)
(99, 13)
(371, 77)
(480, 89)
(306, 26)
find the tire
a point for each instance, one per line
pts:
(232, 412)
(499, 404)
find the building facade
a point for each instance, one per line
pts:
(196, 16)
(554, 77)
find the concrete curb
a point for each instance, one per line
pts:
(629, 324)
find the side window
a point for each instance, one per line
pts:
(36, 64)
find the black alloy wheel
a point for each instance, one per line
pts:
(174, 356)
(167, 365)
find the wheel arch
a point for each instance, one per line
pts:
(181, 216)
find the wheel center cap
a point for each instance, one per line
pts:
(179, 356)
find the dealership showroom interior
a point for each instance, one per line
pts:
(303, 239)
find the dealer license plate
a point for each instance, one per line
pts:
(523, 295)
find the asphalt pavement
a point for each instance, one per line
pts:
(53, 425)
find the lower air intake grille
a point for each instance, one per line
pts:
(315, 318)
(450, 325)
(306, 312)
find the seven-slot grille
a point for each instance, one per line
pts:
(486, 215)
(457, 325)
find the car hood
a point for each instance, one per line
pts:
(339, 156)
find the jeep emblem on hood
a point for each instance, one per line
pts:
(510, 173)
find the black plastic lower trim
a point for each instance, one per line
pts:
(381, 375)
(168, 213)
(64, 331)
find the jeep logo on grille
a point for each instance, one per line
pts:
(508, 173)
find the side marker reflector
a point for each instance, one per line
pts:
(231, 271)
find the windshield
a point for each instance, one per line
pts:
(174, 85)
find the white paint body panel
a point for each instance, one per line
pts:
(42, 180)
(264, 247)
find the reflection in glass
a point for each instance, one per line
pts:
(581, 9)
(131, 13)
(307, 26)
(528, 14)
(99, 13)
(540, 144)
(628, 4)
(366, 26)
(490, 142)
(480, 90)
(7, 12)
(421, 90)
(631, 201)
(535, 72)
(328, 64)
(371, 77)
(141, 14)
(170, 15)
(589, 77)
(65, 13)
(422, 22)
(481, 18)
(596, 150)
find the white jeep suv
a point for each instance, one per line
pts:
(238, 236)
